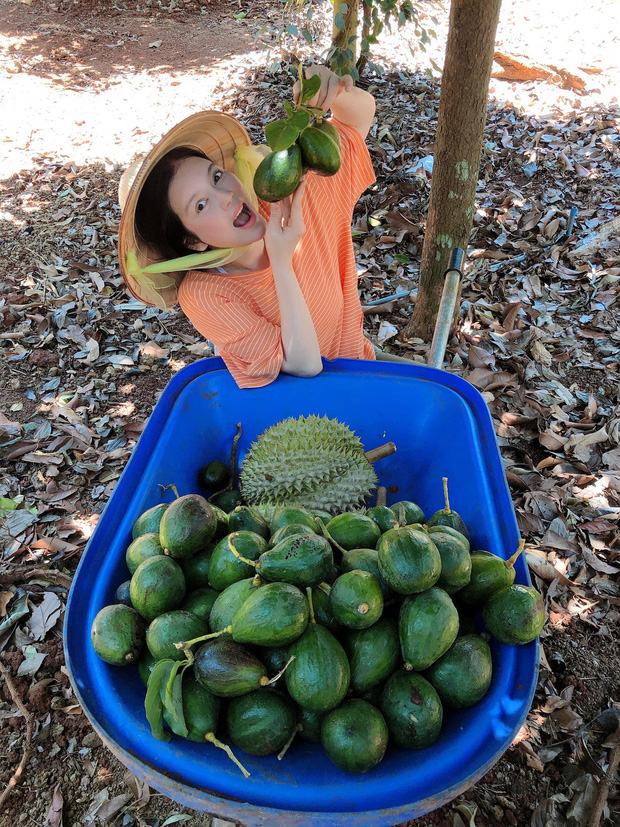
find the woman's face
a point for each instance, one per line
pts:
(213, 205)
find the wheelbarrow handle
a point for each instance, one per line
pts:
(445, 314)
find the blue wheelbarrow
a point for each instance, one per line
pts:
(442, 428)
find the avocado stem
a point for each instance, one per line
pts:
(186, 645)
(213, 740)
(445, 494)
(284, 749)
(257, 581)
(280, 673)
(165, 488)
(331, 539)
(309, 595)
(512, 560)
(238, 556)
(363, 608)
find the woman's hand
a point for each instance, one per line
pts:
(286, 226)
(331, 87)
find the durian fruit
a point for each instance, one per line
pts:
(310, 461)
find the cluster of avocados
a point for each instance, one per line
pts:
(354, 630)
(302, 141)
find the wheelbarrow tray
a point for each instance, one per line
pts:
(442, 428)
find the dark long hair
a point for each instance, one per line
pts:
(156, 222)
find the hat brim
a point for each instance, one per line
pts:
(215, 134)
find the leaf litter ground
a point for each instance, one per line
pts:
(88, 87)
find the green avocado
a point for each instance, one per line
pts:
(214, 475)
(157, 586)
(353, 530)
(117, 634)
(409, 561)
(148, 522)
(383, 516)
(355, 736)
(275, 614)
(225, 567)
(515, 615)
(196, 568)
(428, 625)
(318, 678)
(303, 560)
(407, 512)
(228, 602)
(356, 599)
(453, 549)
(319, 150)
(373, 653)
(200, 602)
(187, 526)
(412, 710)
(310, 723)
(366, 559)
(228, 669)
(489, 573)
(463, 675)
(143, 547)
(287, 514)
(173, 627)
(247, 518)
(262, 722)
(278, 175)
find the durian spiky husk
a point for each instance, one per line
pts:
(311, 461)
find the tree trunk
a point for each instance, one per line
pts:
(460, 132)
(366, 16)
(344, 39)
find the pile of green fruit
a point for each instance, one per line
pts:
(303, 141)
(354, 630)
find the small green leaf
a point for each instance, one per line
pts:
(311, 87)
(339, 22)
(292, 30)
(343, 8)
(173, 701)
(300, 120)
(281, 134)
(288, 109)
(307, 36)
(8, 505)
(403, 259)
(153, 703)
(240, 15)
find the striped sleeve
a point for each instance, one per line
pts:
(249, 344)
(356, 169)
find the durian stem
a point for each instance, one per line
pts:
(445, 493)
(281, 672)
(512, 560)
(284, 749)
(239, 557)
(165, 488)
(309, 595)
(213, 740)
(379, 453)
(381, 495)
(186, 645)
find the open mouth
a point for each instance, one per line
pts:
(245, 217)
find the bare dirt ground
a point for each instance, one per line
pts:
(84, 87)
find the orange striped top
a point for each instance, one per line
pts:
(240, 313)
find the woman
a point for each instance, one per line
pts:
(277, 288)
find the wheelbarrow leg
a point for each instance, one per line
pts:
(445, 315)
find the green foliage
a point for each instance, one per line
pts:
(378, 15)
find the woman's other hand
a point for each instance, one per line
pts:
(331, 87)
(286, 226)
